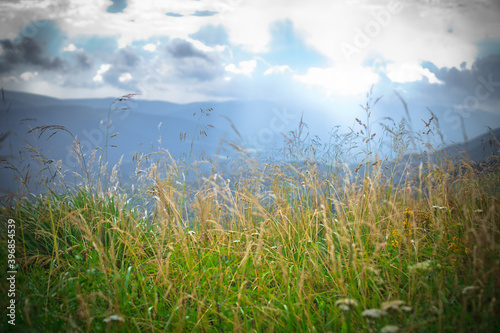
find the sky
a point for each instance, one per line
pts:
(437, 54)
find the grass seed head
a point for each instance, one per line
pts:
(389, 329)
(392, 305)
(469, 289)
(346, 304)
(373, 313)
(423, 267)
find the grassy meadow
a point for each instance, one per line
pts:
(304, 244)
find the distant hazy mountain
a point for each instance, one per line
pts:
(258, 124)
(259, 127)
(478, 148)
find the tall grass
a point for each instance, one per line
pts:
(271, 247)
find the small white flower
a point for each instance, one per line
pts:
(392, 305)
(390, 329)
(191, 232)
(274, 247)
(236, 241)
(113, 318)
(424, 267)
(373, 313)
(346, 304)
(343, 307)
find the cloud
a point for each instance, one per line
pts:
(244, 67)
(150, 47)
(103, 69)
(126, 58)
(340, 80)
(278, 70)
(181, 62)
(324, 25)
(483, 78)
(403, 73)
(10, 79)
(197, 68)
(26, 76)
(121, 69)
(27, 52)
(211, 35)
(180, 48)
(204, 48)
(417, 33)
(125, 77)
(140, 20)
(199, 65)
(26, 18)
(188, 60)
(69, 48)
(297, 42)
(83, 60)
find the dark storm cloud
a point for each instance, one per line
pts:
(126, 58)
(83, 60)
(484, 76)
(26, 52)
(204, 13)
(180, 48)
(112, 76)
(192, 63)
(124, 61)
(198, 68)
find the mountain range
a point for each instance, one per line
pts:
(139, 126)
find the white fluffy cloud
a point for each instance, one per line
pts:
(70, 48)
(278, 70)
(150, 47)
(103, 69)
(403, 73)
(401, 32)
(125, 77)
(244, 67)
(26, 76)
(340, 80)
